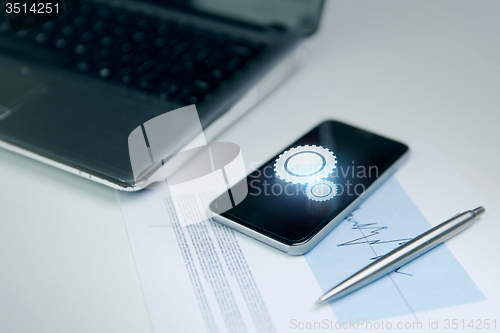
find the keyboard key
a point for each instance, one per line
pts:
(148, 64)
(119, 31)
(4, 27)
(22, 33)
(67, 31)
(190, 96)
(127, 79)
(126, 59)
(239, 50)
(126, 47)
(218, 74)
(160, 42)
(101, 54)
(206, 86)
(99, 26)
(106, 41)
(104, 72)
(83, 66)
(80, 49)
(145, 85)
(180, 48)
(235, 63)
(138, 36)
(60, 43)
(41, 37)
(49, 26)
(87, 36)
(167, 91)
(125, 76)
(203, 54)
(254, 44)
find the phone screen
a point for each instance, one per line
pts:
(295, 194)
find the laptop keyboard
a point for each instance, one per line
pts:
(169, 59)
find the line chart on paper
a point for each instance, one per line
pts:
(370, 236)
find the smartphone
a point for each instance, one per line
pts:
(295, 199)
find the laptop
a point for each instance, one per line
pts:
(73, 88)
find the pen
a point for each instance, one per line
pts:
(403, 254)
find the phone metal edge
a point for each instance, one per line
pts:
(306, 246)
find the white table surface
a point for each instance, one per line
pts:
(405, 69)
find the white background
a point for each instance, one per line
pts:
(404, 69)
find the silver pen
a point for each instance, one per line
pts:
(403, 254)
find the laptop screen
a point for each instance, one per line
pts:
(298, 16)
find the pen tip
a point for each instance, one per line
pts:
(479, 210)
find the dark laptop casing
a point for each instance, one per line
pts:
(81, 125)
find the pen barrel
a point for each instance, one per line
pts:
(423, 243)
(404, 254)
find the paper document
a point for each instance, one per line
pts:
(206, 277)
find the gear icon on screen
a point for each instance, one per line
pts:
(322, 190)
(305, 164)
